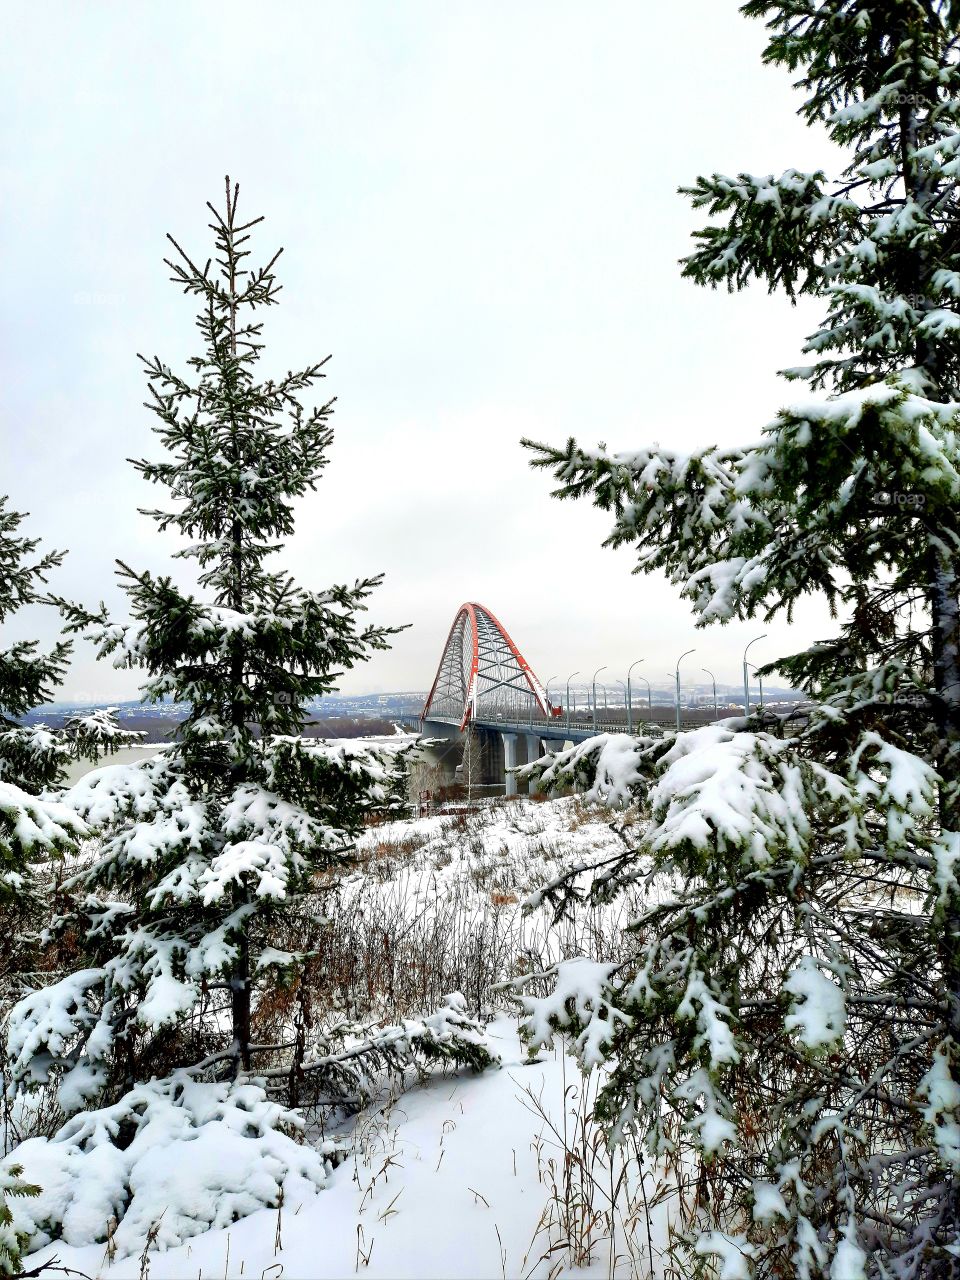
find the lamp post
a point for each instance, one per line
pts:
(569, 678)
(625, 694)
(629, 695)
(716, 709)
(677, 675)
(760, 682)
(649, 696)
(746, 675)
(595, 674)
(549, 708)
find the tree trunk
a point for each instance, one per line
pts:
(240, 993)
(240, 1004)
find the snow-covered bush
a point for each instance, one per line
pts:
(602, 768)
(349, 1060)
(169, 1159)
(787, 1029)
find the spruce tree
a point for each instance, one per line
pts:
(35, 829)
(787, 1029)
(28, 676)
(201, 907)
(12, 1241)
(31, 757)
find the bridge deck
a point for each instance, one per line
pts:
(557, 729)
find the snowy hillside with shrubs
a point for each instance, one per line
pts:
(435, 1156)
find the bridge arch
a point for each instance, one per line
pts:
(481, 669)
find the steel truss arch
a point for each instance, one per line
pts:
(482, 670)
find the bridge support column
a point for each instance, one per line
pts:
(509, 762)
(534, 752)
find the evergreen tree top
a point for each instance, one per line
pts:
(239, 453)
(27, 677)
(878, 241)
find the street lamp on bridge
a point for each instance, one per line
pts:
(716, 709)
(569, 678)
(746, 675)
(649, 695)
(595, 674)
(759, 680)
(677, 676)
(630, 695)
(626, 696)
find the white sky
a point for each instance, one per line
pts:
(479, 209)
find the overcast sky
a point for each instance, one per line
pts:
(479, 212)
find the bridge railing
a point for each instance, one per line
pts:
(578, 723)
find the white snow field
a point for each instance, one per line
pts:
(460, 1176)
(453, 1179)
(77, 769)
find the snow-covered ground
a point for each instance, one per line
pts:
(451, 1179)
(462, 1175)
(76, 769)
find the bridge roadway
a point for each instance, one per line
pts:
(533, 736)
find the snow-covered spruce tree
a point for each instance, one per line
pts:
(35, 830)
(33, 757)
(12, 1241)
(198, 906)
(788, 1029)
(33, 826)
(27, 677)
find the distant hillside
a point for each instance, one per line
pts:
(332, 717)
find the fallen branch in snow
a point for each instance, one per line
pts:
(45, 1268)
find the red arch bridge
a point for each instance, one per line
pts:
(485, 685)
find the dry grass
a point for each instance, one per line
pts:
(439, 908)
(599, 1200)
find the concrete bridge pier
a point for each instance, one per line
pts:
(510, 761)
(443, 752)
(519, 749)
(501, 749)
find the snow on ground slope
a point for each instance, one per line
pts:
(451, 1180)
(432, 906)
